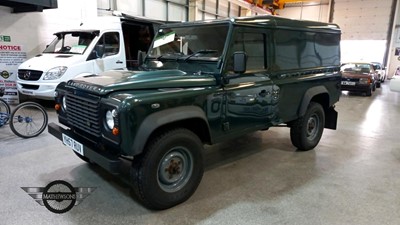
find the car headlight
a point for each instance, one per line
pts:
(364, 81)
(64, 103)
(110, 115)
(55, 73)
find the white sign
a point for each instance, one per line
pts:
(11, 56)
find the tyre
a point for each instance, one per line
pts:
(169, 170)
(4, 112)
(378, 84)
(28, 119)
(306, 131)
(368, 92)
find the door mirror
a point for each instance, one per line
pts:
(140, 57)
(239, 62)
(97, 52)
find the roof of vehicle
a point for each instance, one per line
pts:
(271, 22)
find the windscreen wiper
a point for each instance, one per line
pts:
(202, 51)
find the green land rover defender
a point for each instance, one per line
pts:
(201, 83)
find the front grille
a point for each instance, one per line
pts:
(29, 74)
(83, 114)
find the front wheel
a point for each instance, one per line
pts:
(170, 169)
(306, 131)
(28, 119)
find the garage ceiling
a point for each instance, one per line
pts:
(21, 6)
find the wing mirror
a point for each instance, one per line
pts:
(239, 62)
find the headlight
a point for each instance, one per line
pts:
(64, 103)
(55, 73)
(110, 115)
(364, 81)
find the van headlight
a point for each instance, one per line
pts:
(110, 115)
(55, 73)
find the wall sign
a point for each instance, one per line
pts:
(11, 56)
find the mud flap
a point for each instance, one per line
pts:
(331, 117)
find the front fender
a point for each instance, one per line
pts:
(162, 118)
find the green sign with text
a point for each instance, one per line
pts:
(4, 38)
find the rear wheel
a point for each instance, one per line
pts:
(170, 169)
(306, 131)
(28, 119)
(4, 112)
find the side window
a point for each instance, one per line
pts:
(253, 44)
(108, 44)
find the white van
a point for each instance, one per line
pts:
(96, 46)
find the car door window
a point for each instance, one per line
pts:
(253, 45)
(108, 44)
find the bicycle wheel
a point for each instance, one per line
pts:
(29, 119)
(4, 107)
(4, 112)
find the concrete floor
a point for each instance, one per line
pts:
(351, 177)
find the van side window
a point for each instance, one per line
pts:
(108, 44)
(253, 45)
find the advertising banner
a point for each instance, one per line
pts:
(11, 56)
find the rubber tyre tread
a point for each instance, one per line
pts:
(145, 185)
(369, 92)
(299, 126)
(34, 105)
(6, 106)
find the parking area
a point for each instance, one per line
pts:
(351, 177)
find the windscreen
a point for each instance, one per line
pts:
(176, 47)
(70, 43)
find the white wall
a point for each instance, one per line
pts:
(365, 26)
(35, 30)
(394, 60)
(315, 12)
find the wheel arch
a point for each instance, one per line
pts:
(320, 94)
(317, 94)
(189, 117)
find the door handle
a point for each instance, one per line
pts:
(119, 62)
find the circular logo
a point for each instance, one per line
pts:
(5, 74)
(59, 196)
(27, 74)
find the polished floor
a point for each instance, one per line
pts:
(351, 177)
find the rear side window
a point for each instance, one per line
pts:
(301, 50)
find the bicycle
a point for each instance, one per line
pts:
(27, 120)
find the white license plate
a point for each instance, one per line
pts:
(348, 83)
(76, 146)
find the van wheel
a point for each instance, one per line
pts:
(306, 131)
(170, 169)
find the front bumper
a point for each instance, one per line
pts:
(38, 90)
(109, 162)
(356, 88)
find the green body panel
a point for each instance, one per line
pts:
(204, 94)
